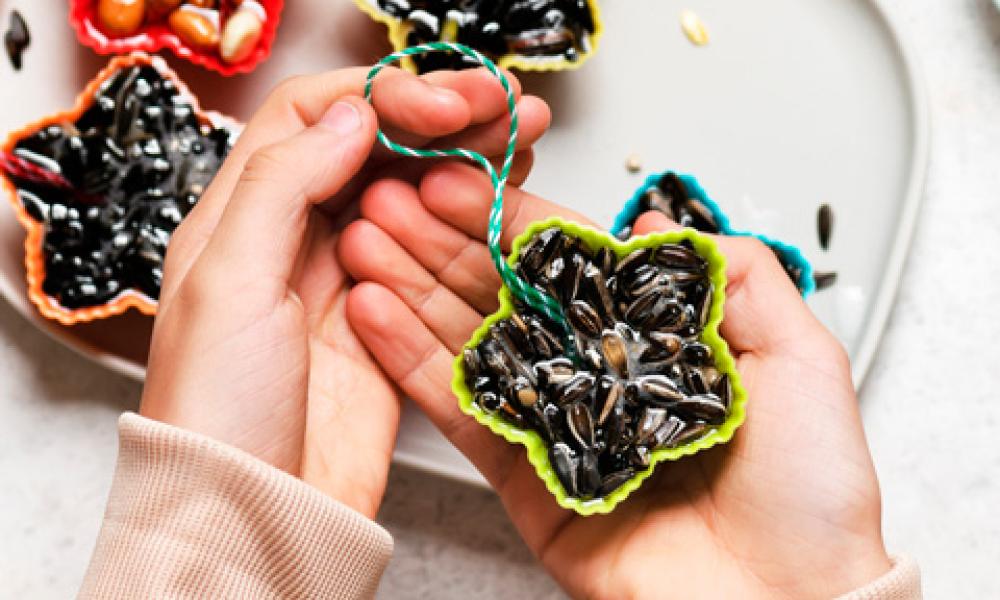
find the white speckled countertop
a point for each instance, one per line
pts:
(931, 388)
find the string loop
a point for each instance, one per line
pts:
(528, 294)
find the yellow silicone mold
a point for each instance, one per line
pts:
(533, 442)
(400, 29)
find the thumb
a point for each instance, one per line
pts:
(653, 222)
(263, 226)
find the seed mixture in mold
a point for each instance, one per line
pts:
(633, 377)
(137, 161)
(543, 32)
(671, 197)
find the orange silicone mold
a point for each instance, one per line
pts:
(34, 259)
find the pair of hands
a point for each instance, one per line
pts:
(264, 341)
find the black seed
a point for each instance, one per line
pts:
(554, 372)
(16, 39)
(675, 256)
(588, 479)
(689, 432)
(824, 279)
(633, 261)
(615, 352)
(667, 431)
(581, 424)
(824, 225)
(659, 388)
(576, 389)
(583, 316)
(654, 199)
(565, 464)
(605, 260)
(706, 407)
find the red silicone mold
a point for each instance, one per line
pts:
(154, 37)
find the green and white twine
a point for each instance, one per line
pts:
(529, 295)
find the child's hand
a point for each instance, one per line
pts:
(251, 344)
(789, 509)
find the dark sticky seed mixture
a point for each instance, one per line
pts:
(636, 378)
(670, 197)
(559, 29)
(17, 39)
(138, 160)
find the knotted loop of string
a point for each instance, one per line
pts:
(526, 293)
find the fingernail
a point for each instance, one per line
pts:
(342, 118)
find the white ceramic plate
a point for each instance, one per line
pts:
(790, 105)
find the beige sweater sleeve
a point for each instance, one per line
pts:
(902, 582)
(191, 517)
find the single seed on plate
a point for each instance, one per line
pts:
(693, 28)
(824, 279)
(824, 225)
(17, 39)
(633, 164)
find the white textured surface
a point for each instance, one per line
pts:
(931, 406)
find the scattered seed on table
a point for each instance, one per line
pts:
(633, 164)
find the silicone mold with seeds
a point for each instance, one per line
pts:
(19, 191)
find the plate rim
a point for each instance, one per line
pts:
(920, 124)
(913, 197)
